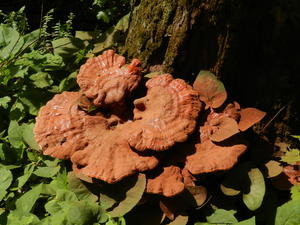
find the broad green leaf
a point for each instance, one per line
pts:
(254, 198)
(222, 216)
(28, 170)
(5, 181)
(15, 135)
(41, 79)
(79, 187)
(250, 221)
(85, 213)
(4, 102)
(25, 203)
(295, 192)
(10, 41)
(66, 47)
(212, 91)
(28, 219)
(291, 157)
(288, 213)
(28, 136)
(46, 171)
(128, 194)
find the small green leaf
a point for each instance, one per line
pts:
(25, 203)
(288, 213)
(5, 181)
(250, 221)
(66, 47)
(17, 111)
(295, 192)
(28, 136)
(41, 79)
(291, 157)
(222, 216)
(15, 135)
(229, 191)
(28, 170)
(4, 102)
(46, 171)
(254, 198)
(79, 187)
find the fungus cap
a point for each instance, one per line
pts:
(106, 79)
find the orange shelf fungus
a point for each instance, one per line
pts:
(88, 127)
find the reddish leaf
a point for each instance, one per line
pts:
(224, 128)
(249, 117)
(212, 91)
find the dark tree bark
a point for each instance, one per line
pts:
(251, 45)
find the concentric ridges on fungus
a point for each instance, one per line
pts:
(60, 126)
(170, 119)
(106, 79)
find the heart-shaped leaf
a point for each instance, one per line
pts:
(249, 117)
(223, 128)
(212, 91)
(254, 198)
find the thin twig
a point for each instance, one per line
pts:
(270, 121)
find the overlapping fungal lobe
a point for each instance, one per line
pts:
(107, 80)
(169, 182)
(211, 157)
(166, 115)
(111, 159)
(61, 126)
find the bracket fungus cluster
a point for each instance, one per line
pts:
(103, 144)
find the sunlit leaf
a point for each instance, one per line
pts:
(46, 171)
(5, 181)
(291, 156)
(15, 135)
(295, 192)
(229, 191)
(250, 221)
(212, 91)
(254, 198)
(288, 213)
(28, 136)
(296, 136)
(4, 101)
(41, 79)
(222, 216)
(274, 168)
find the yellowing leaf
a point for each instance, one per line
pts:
(229, 191)
(212, 91)
(254, 198)
(291, 156)
(274, 168)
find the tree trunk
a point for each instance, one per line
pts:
(252, 45)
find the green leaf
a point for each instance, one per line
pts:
(46, 171)
(10, 41)
(28, 219)
(127, 193)
(288, 213)
(79, 187)
(296, 136)
(68, 83)
(28, 170)
(212, 91)
(28, 136)
(222, 216)
(295, 192)
(4, 101)
(229, 191)
(291, 157)
(5, 181)
(25, 203)
(85, 213)
(254, 198)
(41, 79)
(17, 111)
(66, 47)
(15, 135)
(250, 221)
